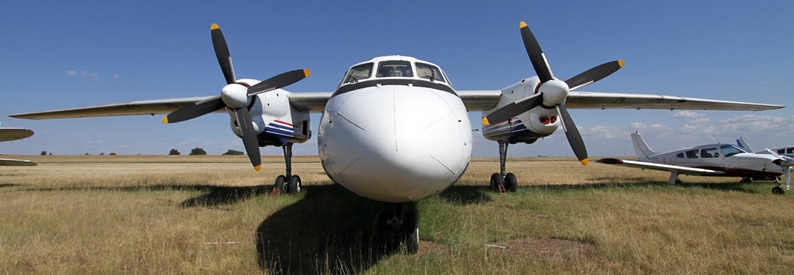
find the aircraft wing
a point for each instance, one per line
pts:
(141, 107)
(8, 134)
(16, 162)
(597, 100)
(478, 100)
(313, 102)
(661, 167)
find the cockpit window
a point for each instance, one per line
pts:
(357, 73)
(730, 150)
(394, 69)
(429, 71)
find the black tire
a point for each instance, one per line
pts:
(280, 181)
(496, 180)
(777, 190)
(294, 185)
(511, 183)
(410, 232)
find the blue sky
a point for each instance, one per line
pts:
(76, 53)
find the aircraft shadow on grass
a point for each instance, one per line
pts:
(212, 196)
(641, 182)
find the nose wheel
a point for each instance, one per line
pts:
(288, 183)
(503, 182)
(397, 230)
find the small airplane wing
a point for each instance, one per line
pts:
(661, 167)
(141, 107)
(16, 162)
(597, 100)
(9, 134)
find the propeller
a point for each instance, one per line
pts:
(235, 96)
(551, 92)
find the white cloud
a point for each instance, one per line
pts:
(687, 114)
(72, 73)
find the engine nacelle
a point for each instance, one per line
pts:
(275, 121)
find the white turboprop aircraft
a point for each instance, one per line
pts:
(9, 134)
(722, 160)
(394, 129)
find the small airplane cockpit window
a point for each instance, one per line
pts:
(709, 153)
(692, 154)
(730, 150)
(781, 151)
(358, 73)
(429, 71)
(394, 68)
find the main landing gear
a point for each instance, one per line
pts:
(503, 182)
(288, 183)
(396, 229)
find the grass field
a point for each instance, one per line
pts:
(214, 214)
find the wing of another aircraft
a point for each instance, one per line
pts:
(9, 134)
(598, 100)
(16, 162)
(661, 167)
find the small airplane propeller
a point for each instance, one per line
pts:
(552, 93)
(235, 96)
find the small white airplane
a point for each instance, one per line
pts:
(395, 130)
(722, 160)
(9, 134)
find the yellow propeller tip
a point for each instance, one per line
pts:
(214, 26)
(522, 24)
(306, 72)
(165, 120)
(485, 121)
(258, 167)
(621, 62)
(584, 161)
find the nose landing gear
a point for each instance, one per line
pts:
(396, 229)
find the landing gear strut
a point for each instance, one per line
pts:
(503, 182)
(289, 183)
(396, 229)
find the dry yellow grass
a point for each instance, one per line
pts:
(213, 214)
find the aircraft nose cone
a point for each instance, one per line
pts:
(406, 144)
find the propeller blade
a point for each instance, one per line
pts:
(279, 81)
(536, 55)
(513, 109)
(222, 53)
(193, 111)
(572, 133)
(594, 74)
(249, 137)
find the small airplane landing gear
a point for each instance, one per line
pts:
(777, 190)
(288, 183)
(503, 182)
(396, 229)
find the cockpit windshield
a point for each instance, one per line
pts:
(429, 72)
(395, 68)
(359, 72)
(730, 150)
